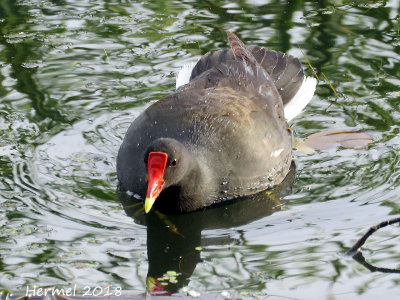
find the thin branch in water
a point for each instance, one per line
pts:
(312, 69)
(358, 257)
(330, 84)
(364, 238)
(395, 160)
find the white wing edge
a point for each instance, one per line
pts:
(184, 74)
(301, 99)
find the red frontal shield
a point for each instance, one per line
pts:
(156, 163)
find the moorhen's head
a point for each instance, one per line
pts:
(167, 162)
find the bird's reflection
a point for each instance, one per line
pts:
(174, 241)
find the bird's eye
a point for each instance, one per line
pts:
(173, 163)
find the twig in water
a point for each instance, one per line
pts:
(312, 69)
(330, 84)
(395, 160)
(358, 257)
(362, 241)
(398, 26)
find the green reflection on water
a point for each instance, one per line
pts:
(65, 107)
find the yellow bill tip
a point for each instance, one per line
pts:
(150, 283)
(148, 203)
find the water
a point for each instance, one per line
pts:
(74, 74)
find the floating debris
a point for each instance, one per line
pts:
(348, 139)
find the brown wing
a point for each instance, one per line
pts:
(286, 71)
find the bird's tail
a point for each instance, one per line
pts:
(295, 89)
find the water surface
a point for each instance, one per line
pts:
(74, 74)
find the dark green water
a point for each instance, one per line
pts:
(75, 73)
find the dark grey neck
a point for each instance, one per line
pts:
(196, 187)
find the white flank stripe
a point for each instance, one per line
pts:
(301, 99)
(276, 153)
(184, 75)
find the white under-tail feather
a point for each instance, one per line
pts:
(303, 96)
(184, 75)
(292, 109)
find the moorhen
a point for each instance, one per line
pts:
(222, 135)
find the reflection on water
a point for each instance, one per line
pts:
(361, 259)
(174, 242)
(73, 76)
